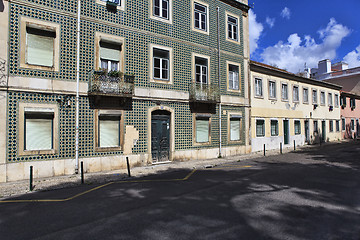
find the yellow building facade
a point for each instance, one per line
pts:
(288, 110)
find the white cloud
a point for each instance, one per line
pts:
(296, 51)
(255, 29)
(270, 21)
(353, 58)
(285, 13)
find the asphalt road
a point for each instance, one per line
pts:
(310, 194)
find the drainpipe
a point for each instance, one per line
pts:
(218, 36)
(77, 89)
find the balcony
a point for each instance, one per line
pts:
(204, 93)
(114, 84)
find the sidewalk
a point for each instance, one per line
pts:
(46, 184)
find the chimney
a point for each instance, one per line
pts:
(324, 66)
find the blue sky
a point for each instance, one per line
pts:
(290, 33)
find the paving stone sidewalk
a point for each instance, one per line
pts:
(12, 189)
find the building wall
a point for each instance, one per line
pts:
(349, 114)
(277, 109)
(133, 24)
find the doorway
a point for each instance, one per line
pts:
(307, 131)
(286, 131)
(323, 130)
(160, 136)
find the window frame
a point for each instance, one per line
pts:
(322, 93)
(287, 92)
(352, 124)
(306, 101)
(336, 100)
(337, 125)
(195, 116)
(193, 17)
(298, 93)
(263, 127)
(269, 87)
(38, 108)
(343, 124)
(314, 100)
(170, 64)
(238, 65)
(234, 115)
(297, 121)
(331, 125)
(97, 114)
(118, 7)
(330, 99)
(231, 15)
(45, 26)
(193, 65)
(152, 15)
(99, 37)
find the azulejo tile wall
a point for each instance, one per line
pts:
(139, 31)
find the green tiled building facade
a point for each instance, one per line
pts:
(158, 100)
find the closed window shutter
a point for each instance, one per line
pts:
(234, 129)
(110, 51)
(109, 132)
(38, 134)
(40, 50)
(202, 130)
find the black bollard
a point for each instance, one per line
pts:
(280, 148)
(31, 178)
(82, 172)
(128, 166)
(294, 146)
(264, 151)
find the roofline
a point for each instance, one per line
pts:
(350, 94)
(237, 4)
(267, 69)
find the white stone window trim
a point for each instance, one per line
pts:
(295, 86)
(304, 99)
(287, 91)
(151, 64)
(275, 89)
(258, 94)
(227, 15)
(228, 63)
(38, 108)
(119, 7)
(42, 25)
(158, 18)
(193, 17)
(277, 120)
(260, 119)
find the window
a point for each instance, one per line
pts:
(260, 128)
(343, 124)
(284, 92)
(330, 102)
(202, 129)
(322, 98)
(297, 127)
(39, 45)
(120, 3)
(258, 87)
(343, 101)
(352, 103)
(316, 130)
(201, 70)
(233, 77)
(272, 89)
(233, 28)
(38, 129)
(305, 95)
(235, 127)
(274, 127)
(352, 124)
(161, 8)
(108, 130)
(338, 125)
(336, 100)
(331, 125)
(296, 94)
(110, 54)
(161, 64)
(314, 96)
(200, 17)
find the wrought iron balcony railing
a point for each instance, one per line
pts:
(104, 84)
(206, 93)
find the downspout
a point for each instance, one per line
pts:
(77, 89)
(218, 37)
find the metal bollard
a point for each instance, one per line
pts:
(264, 151)
(82, 172)
(294, 146)
(128, 166)
(280, 148)
(31, 178)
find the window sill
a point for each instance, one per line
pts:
(108, 149)
(39, 67)
(200, 31)
(167, 82)
(233, 41)
(160, 19)
(37, 152)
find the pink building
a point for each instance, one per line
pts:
(350, 115)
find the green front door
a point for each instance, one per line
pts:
(286, 132)
(323, 131)
(160, 138)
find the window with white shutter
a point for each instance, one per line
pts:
(202, 129)
(235, 127)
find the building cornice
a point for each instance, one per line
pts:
(237, 4)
